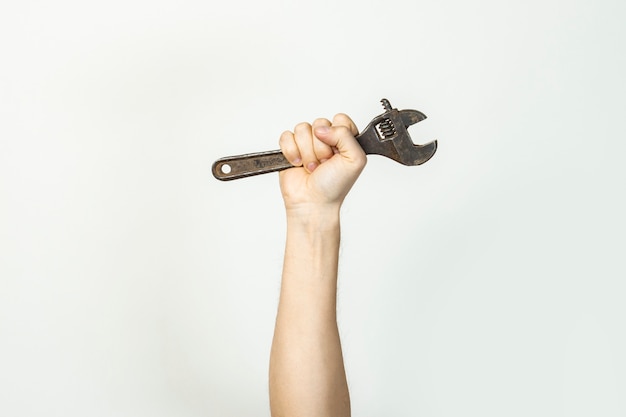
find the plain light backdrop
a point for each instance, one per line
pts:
(488, 282)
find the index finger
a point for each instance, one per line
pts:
(342, 119)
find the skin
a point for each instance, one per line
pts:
(307, 375)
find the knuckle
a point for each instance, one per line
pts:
(343, 130)
(285, 136)
(286, 140)
(345, 120)
(321, 121)
(341, 118)
(301, 127)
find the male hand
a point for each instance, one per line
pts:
(327, 161)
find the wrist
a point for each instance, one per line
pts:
(314, 217)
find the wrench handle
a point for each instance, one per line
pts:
(240, 166)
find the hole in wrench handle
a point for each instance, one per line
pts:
(241, 166)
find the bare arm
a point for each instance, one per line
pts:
(307, 376)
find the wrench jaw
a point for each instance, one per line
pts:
(399, 146)
(410, 117)
(420, 154)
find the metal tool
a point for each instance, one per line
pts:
(386, 135)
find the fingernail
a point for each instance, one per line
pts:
(297, 161)
(311, 166)
(322, 129)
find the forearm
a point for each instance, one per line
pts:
(307, 376)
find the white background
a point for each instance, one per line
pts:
(488, 282)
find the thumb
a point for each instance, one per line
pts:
(342, 139)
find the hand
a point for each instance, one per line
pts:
(327, 161)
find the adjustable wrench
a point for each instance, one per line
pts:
(385, 135)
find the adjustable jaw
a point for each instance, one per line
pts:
(387, 135)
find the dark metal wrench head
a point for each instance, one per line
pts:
(387, 135)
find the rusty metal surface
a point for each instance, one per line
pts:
(385, 135)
